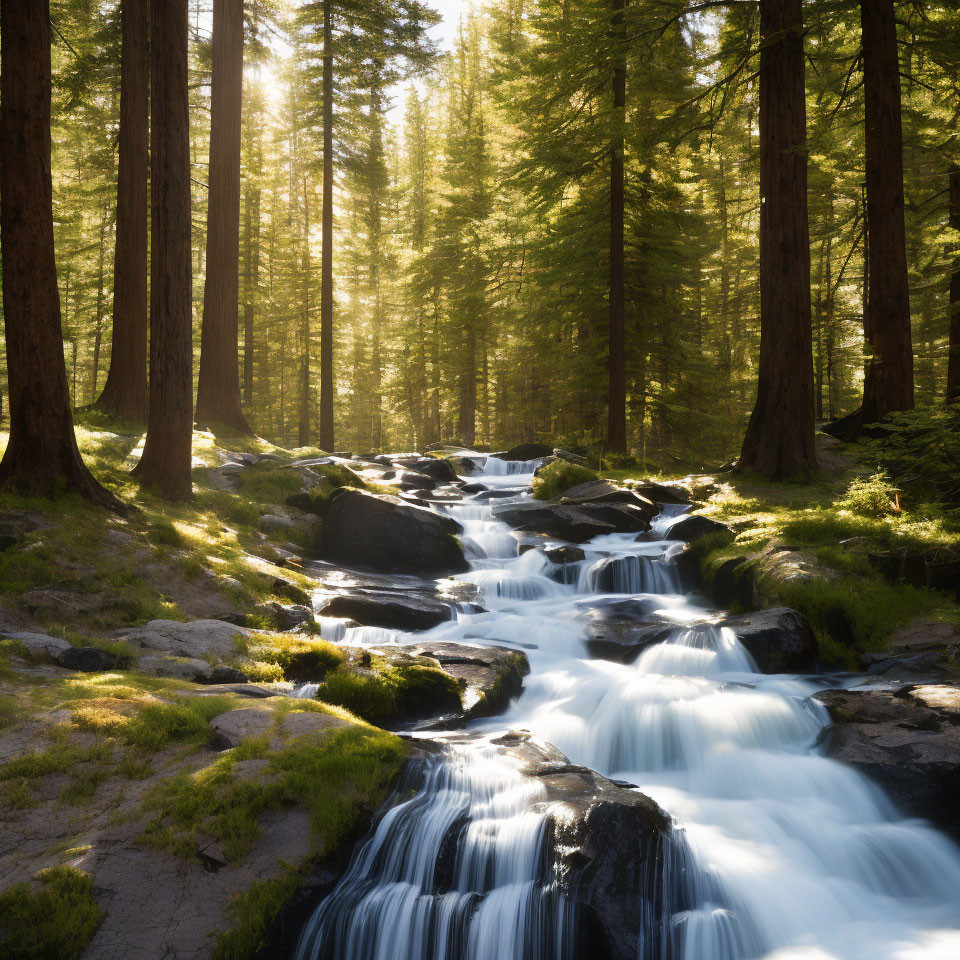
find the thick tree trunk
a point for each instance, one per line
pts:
(888, 382)
(125, 392)
(326, 438)
(218, 386)
(617, 390)
(165, 463)
(779, 440)
(953, 364)
(41, 455)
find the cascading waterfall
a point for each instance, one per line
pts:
(459, 870)
(780, 852)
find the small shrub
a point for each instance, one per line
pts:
(874, 497)
(920, 449)
(558, 476)
(55, 922)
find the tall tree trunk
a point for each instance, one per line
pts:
(326, 255)
(252, 263)
(617, 390)
(41, 455)
(165, 463)
(303, 420)
(953, 364)
(218, 386)
(779, 440)
(466, 426)
(125, 392)
(888, 382)
(98, 326)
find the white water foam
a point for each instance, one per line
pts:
(781, 853)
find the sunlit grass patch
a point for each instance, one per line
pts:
(329, 774)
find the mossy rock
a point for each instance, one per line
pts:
(558, 476)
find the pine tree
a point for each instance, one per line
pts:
(42, 455)
(166, 460)
(218, 386)
(779, 439)
(125, 392)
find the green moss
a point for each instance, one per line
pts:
(300, 659)
(387, 694)
(54, 922)
(558, 476)
(253, 913)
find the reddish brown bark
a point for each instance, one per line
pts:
(779, 439)
(953, 365)
(326, 439)
(617, 387)
(41, 455)
(888, 382)
(218, 387)
(165, 464)
(125, 392)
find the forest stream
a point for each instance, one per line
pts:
(775, 851)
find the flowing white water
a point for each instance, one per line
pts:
(781, 853)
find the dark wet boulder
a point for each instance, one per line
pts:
(87, 659)
(384, 533)
(663, 492)
(440, 470)
(564, 554)
(609, 846)
(691, 529)
(227, 675)
(412, 480)
(621, 630)
(574, 522)
(527, 451)
(395, 611)
(602, 491)
(780, 640)
(907, 739)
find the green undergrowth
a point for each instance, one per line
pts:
(556, 477)
(52, 918)
(823, 554)
(384, 694)
(333, 776)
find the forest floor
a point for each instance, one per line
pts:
(113, 775)
(126, 826)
